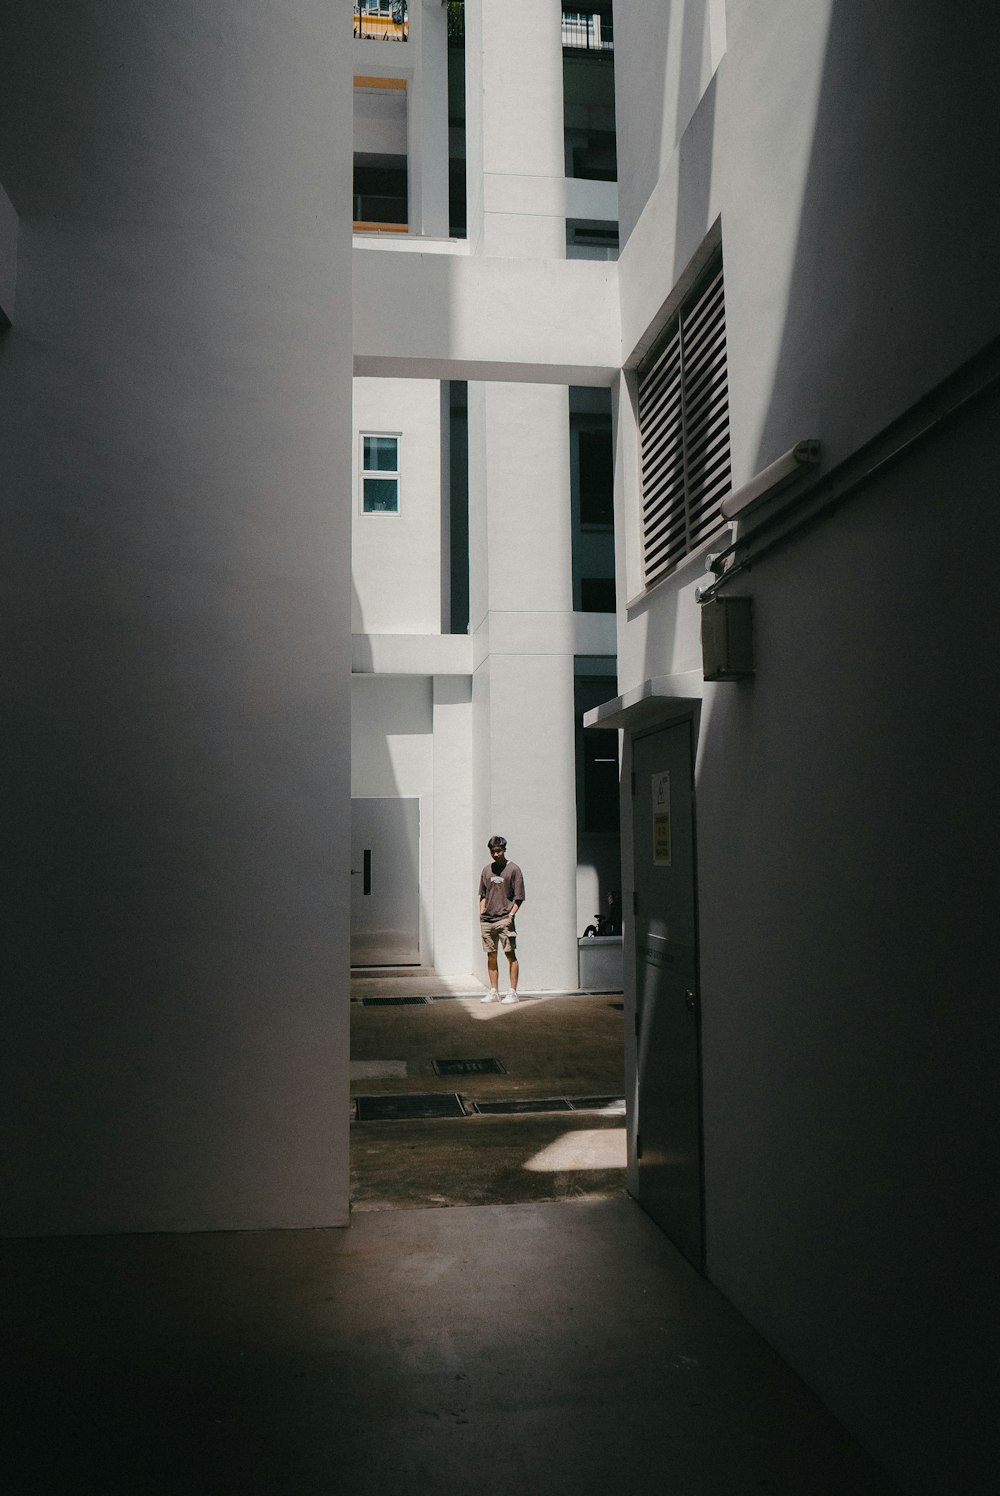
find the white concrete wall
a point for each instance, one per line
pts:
(842, 855)
(411, 738)
(392, 756)
(380, 127)
(174, 450)
(396, 558)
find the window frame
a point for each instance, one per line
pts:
(380, 473)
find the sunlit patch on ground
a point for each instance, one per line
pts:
(590, 1148)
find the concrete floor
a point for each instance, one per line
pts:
(550, 1046)
(556, 1347)
(559, 1349)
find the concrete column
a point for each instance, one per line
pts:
(532, 801)
(455, 867)
(522, 600)
(428, 119)
(514, 129)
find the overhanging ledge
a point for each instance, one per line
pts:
(655, 701)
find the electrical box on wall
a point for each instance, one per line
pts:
(727, 638)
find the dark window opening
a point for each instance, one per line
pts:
(597, 594)
(589, 92)
(591, 239)
(600, 780)
(457, 220)
(592, 499)
(458, 505)
(597, 498)
(594, 158)
(380, 189)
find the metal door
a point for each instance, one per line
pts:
(667, 1010)
(385, 882)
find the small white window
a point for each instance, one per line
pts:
(379, 474)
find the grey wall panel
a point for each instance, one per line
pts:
(174, 457)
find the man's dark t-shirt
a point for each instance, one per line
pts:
(500, 887)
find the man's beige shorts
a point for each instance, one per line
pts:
(498, 933)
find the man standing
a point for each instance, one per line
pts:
(501, 894)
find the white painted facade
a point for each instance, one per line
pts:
(396, 558)
(506, 701)
(181, 486)
(833, 155)
(843, 982)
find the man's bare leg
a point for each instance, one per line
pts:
(512, 964)
(494, 977)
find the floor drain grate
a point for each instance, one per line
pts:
(408, 1108)
(468, 1067)
(393, 1002)
(529, 1104)
(611, 1105)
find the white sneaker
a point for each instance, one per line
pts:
(491, 997)
(510, 997)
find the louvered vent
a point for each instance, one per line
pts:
(684, 426)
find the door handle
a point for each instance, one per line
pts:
(367, 885)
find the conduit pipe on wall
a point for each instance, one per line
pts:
(772, 478)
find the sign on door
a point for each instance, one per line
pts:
(661, 819)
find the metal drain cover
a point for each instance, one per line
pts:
(408, 1108)
(393, 1002)
(468, 1067)
(614, 1104)
(529, 1104)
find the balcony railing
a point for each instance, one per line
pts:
(381, 20)
(584, 31)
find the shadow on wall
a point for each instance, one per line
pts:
(843, 859)
(894, 278)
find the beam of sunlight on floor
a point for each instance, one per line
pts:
(590, 1148)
